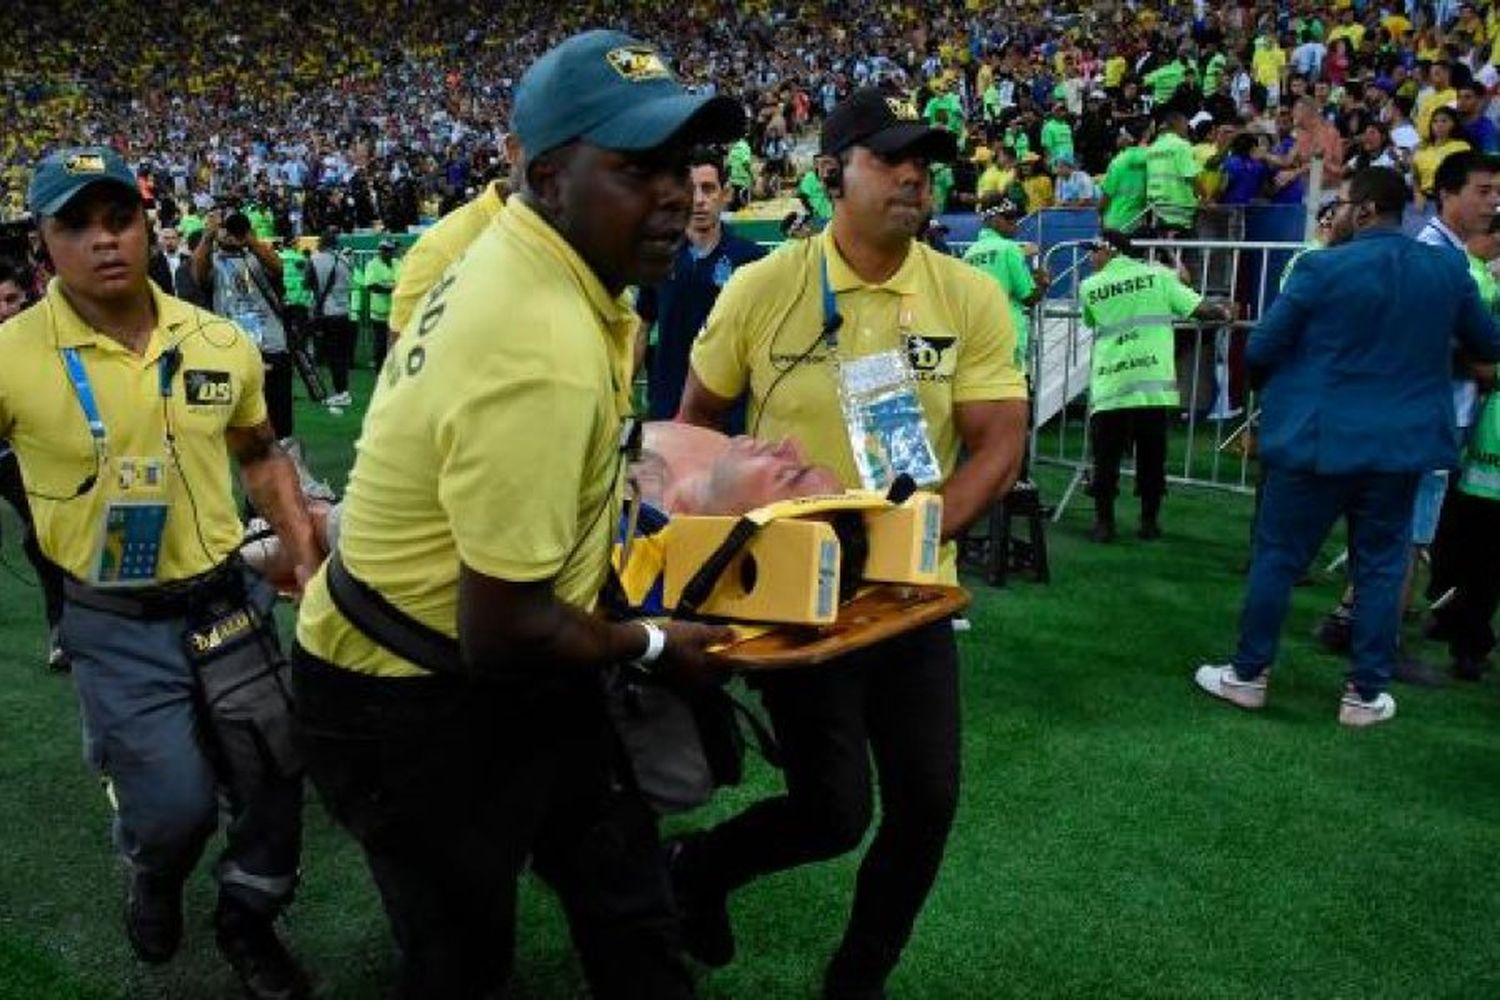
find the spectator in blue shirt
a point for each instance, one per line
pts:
(679, 306)
(1477, 127)
(1245, 171)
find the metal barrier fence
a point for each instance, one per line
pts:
(1210, 447)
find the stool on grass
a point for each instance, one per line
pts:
(999, 552)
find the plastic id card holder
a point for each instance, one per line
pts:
(887, 428)
(129, 548)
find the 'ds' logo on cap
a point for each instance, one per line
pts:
(84, 163)
(904, 110)
(638, 64)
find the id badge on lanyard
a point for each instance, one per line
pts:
(128, 537)
(253, 323)
(882, 412)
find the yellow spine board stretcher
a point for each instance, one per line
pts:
(788, 575)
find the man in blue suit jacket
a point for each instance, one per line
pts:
(1354, 362)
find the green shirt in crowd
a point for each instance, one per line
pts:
(1171, 169)
(1125, 183)
(1164, 80)
(816, 195)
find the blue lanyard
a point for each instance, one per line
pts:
(79, 376)
(84, 390)
(831, 318)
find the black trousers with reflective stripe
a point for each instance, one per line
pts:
(451, 786)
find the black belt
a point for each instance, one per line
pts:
(165, 601)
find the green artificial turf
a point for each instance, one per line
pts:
(1120, 834)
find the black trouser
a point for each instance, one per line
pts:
(48, 575)
(294, 318)
(450, 785)
(279, 374)
(1112, 431)
(380, 338)
(1465, 556)
(336, 347)
(897, 701)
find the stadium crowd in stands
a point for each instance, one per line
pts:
(352, 113)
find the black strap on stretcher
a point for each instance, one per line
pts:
(703, 582)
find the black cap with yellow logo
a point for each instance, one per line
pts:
(886, 126)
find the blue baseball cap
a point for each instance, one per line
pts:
(615, 92)
(62, 175)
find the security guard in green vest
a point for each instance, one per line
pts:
(380, 281)
(1131, 305)
(996, 253)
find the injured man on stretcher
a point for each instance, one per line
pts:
(681, 470)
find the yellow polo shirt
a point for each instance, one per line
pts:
(217, 386)
(491, 442)
(438, 248)
(1422, 117)
(951, 320)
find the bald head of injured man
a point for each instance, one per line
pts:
(683, 469)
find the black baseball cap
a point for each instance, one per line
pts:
(886, 126)
(994, 203)
(1114, 241)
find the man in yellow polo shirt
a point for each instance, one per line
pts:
(448, 666)
(124, 405)
(920, 349)
(437, 249)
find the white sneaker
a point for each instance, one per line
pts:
(335, 411)
(340, 399)
(1355, 711)
(1222, 682)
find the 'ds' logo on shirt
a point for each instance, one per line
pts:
(208, 388)
(638, 64)
(932, 357)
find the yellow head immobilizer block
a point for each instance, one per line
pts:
(788, 573)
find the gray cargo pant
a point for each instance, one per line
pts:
(143, 734)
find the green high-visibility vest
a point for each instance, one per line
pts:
(1489, 291)
(294, 278)
(1131, 305)
(378, 272)
(1481, 465)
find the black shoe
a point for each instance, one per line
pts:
(844, 981)
(249, 944)
(1149, 531)
(153, 916)
(1470, 669)
(1335, 630)
(58, 660)
(707, 934)
(1102, 531)
(1410, 670)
